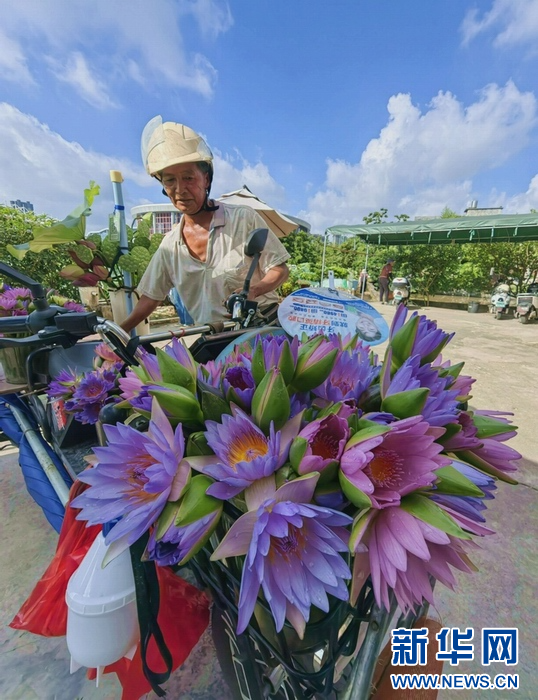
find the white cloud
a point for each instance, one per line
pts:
(229, 177)
(423, 161)
(76, 72)
(38, 165)
(514, 22)
(119, 35)
(13, 66)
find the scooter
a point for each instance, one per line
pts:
(401, 290)
(502, 300)
(527, 304)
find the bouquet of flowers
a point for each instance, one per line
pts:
(17, 301)
(86, 393)
(316, 468)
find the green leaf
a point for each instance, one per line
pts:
(297, 452)
(452, 481)
(175, 373)
(18, 251)
(359, 499)
(405, 404)
(196, 504)
(488, 427)
(426, 510)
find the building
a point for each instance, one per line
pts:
(474, 210)
(23, 206)
(163, 216)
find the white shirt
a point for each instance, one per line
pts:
(203, 286)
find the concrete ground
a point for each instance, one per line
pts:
(502, 356)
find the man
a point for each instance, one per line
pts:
(201, 257)
(384, 277)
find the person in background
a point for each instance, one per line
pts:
(203, 255)
(384, 278)
(363, 281)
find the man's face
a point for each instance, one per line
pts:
(186, 186)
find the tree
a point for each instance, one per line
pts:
(16, 227)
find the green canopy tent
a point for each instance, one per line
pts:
(502, 228)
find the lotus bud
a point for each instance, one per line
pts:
(405, 404)
(71, 272)
(197, 445)
(180, 404)
(315, 361)
(196, 504)
(269, 354)
(271, 401)
(173, 372)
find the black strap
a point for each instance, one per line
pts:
(147, 603)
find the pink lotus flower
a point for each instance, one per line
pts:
(319, 444)
(401, 552)
(394, 463)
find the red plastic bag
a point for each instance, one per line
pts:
(45, 611)
(183, 617)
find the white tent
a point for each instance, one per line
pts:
(280, 224)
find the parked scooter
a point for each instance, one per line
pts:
(503, 298)
(527, 304)
(401, 290)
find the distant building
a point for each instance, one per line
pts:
(23, 206)
(163, 216)
(474, 210)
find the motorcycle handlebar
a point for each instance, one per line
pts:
(14, 324)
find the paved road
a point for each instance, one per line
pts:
(502, 356)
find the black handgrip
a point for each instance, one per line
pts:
(38, 293)
(14, 324)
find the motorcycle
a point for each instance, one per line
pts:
(401, 290)
(503, 299)
(527, 304)
(337, 657)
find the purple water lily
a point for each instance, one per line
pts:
(238, 385)
(132, 479)
(351, 375)
(428, 339)
(292, 553)
(470, 507)
(64, 384)
(441, 405)
(179, 543)
(135, 391)
(243, 454)
(388, 466)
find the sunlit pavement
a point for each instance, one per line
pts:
(501, 355)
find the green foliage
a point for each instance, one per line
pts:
(16, 227)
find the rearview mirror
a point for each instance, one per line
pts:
(256, 241)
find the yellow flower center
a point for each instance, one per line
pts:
(249, 446)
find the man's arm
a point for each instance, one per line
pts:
(143, 309)
(273, 278)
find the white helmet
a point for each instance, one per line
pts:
(171, 143)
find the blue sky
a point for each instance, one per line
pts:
(327, 111)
